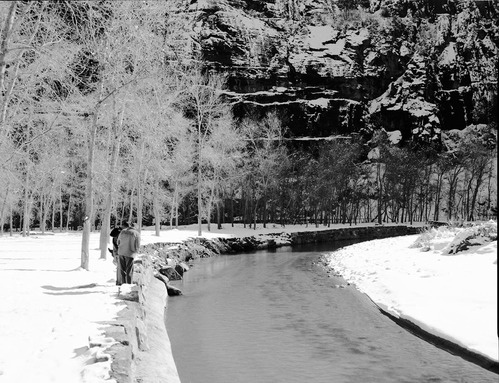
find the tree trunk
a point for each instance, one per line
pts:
(489, 190)
(479, 181)
(232, 208)
(69, 210)
(438, 191)
(264, 210)
(89, 195)
(223, 211)
(176, 204)
(26, 212)
(219, 218)
(468, 198)
(199, 176)
(200, 202)
(140, 186)
(2, 212)
(105, 227)
(52, 222)
(176, 212)
(245, 208)
(140, 200)
(157, 215)
(380, 194)
(453, 178)
(255, 208)
(60, 208)
(208, 210)
(130, 212)
(46, 209)
(42, 213)
(89, 188)
(11, 221)
(410, 209)
(5, 37)
(108, 199)
(122, 216)
(1, 223)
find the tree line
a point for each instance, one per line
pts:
(366, 179)
(106, 115)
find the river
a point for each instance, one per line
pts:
(278, 317)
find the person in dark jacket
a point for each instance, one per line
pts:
(115, 234)
(128, 246)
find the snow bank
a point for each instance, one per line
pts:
(451, 296)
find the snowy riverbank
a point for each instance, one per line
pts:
(451, 296)
(51, 308)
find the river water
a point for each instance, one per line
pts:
(277, 317)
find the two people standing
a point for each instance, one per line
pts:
(125, 247)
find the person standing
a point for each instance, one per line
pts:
(115, 234)
(128, 246)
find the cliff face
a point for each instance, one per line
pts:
(418, 66)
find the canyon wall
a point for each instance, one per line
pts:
(416, 68)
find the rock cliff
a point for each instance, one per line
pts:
(328, 68)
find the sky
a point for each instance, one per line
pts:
(52, 311)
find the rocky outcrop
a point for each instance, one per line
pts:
(418, 67)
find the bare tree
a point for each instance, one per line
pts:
(115, 134)
(181, 177)
(34, 78)
(203, 102)
(126, 52)
(222, 153)
(477, 160)
(264, 156)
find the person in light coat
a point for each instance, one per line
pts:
(128, 246)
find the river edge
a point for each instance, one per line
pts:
(133, 364)
(417, 330)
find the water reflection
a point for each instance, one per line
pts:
(274, 317)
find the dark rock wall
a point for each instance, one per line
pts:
(418, 66)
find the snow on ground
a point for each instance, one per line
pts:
(452, 296)
(51, 308)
